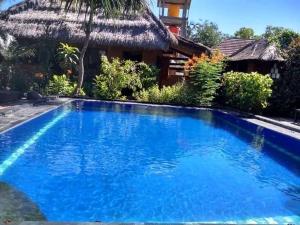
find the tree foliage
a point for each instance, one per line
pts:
(280, 36)
(206, 33)
(245, 33)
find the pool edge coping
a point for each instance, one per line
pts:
(21, 122)
(248, 117)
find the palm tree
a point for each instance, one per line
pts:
(107, 9)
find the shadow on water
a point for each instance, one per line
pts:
(293, 203)
(16, 207)
(281, 148)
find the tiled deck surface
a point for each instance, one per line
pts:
(17, 112)
(286, 129)
(284, 122)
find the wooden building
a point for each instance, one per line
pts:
(140, 37)
(249, 55)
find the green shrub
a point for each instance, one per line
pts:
(204, 80)
(148, 74)
(170, 94)
(247, 91)
(68, 56)
(61, 85)
(115, 77)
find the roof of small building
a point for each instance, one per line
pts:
(249, 49)
(190, 48)
(38, 19)
(231, 45)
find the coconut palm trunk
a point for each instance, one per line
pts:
(82, 53)
(108, 8)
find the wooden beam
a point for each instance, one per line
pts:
(173, 20)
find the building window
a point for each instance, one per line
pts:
(275, 72)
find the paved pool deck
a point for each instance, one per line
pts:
(15, 113)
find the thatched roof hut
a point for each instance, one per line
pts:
(44, 19)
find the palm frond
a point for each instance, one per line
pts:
(107, 8)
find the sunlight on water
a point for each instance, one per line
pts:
(119, 162)
(20, 151)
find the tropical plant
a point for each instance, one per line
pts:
(205, 73)
(116, 77)
(148, 74)
(61, 85)
(68, 56)
(245, 33)
(247, 91)
(206, 32)
(105, 8)
(11, 52)
(175, 94)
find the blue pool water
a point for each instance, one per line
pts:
(92, 161)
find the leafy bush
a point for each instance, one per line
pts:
(247, 91)
(170, 94)
(115, 78)
(61, 85)
(67, 56)
(205, 73)
(148, 74)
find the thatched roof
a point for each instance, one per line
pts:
(38, 19)
(240, 49)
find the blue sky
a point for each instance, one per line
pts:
(230, 15)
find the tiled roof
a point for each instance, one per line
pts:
(249, 49)
(230, 46)
(260, 50)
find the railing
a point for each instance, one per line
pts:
(175, 71)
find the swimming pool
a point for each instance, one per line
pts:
(111, 162)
